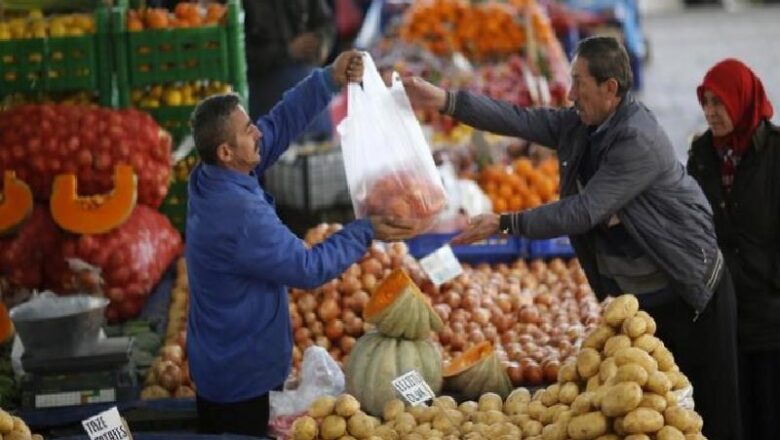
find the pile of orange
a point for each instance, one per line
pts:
(520, 186)
(480, 31)
(185, 15)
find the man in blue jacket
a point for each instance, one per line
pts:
(241, 258)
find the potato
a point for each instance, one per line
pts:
(696, 436)
(671, 399)
(643, 421)
(333, 427)
(608, 437)
(678, 380)
(392, 409)
(515, 407)
(551, 413)
(489, 401)
(323, 407)
(669, 433)
(518, 398)
(664, 358)
(493, 416)
(620, 309)
(634, 327)
(554, 431)
(413, 436)
(519, 419)
(649, 321)
(385, 432)
(598, 337)
(568, 371)
(447, 402)
(348, 437)
(535, 409)
(607, 369)
(346, 405)
(304, 428)
(658, 383)
(588, 362)
(360, 425)
(468, 407)
(583, 403)
(587, 426)
(685, 420)
(653, 401)
(6, 422)
(621, 398)
(531, 428)
(404, 427)
(647, 343)
(427, 414)
(550, 395)
(633, 355)
(444, 424)
(638, 437)
(615, 343)
(21, 427)
(593, 384)
(568, 392)
(17, 435)
(631, 373)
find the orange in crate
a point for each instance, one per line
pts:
(521, 186)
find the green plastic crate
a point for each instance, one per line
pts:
(159, 56)
(176, 120)
(57, 64)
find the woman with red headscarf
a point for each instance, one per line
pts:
(737, 164)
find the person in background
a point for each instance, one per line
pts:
(637, 221)
(285, 41)
(737, 163)
(241, 258)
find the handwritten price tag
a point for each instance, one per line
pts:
(107, 425)
(413, 388)
(441, 265)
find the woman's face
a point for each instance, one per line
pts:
(716, 114)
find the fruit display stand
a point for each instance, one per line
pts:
(65, 53)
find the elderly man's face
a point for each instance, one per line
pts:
(593, 101)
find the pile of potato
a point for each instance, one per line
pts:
(14, 428)
(623, 384)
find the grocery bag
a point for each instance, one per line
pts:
(389, 166)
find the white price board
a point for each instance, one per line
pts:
(441, 265)
(107, 425)
(413, 388)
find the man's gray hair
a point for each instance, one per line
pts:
(607, 58)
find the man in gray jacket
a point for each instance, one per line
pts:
(637, 221)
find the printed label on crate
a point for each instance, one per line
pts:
(413, 388)
(107, 425)
(441, 265)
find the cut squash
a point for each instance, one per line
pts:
(95, 214)
(376, 360)
(399, 309)
(16, 203)
(477, 371)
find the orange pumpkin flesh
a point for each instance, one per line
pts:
(96, 214)
(16, 203)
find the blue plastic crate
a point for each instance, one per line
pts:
(554, 247)
(493, 250)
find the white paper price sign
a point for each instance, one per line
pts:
(107, 425)
(413, 388)
(441, 265)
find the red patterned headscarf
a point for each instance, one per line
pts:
(742, 93)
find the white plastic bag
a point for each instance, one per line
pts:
(389, 167)
(685, 398)
(320, 376)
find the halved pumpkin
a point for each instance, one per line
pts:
(16, 203)
(95, 214)
(399, 309)
(477, 371)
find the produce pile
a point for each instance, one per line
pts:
(169, 375)
(78, 198)
(35, 25)
(186, 15)
(521, 185)
(533, 314)
(623, 384)
(14, 428)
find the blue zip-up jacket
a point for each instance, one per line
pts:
(241, 259)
